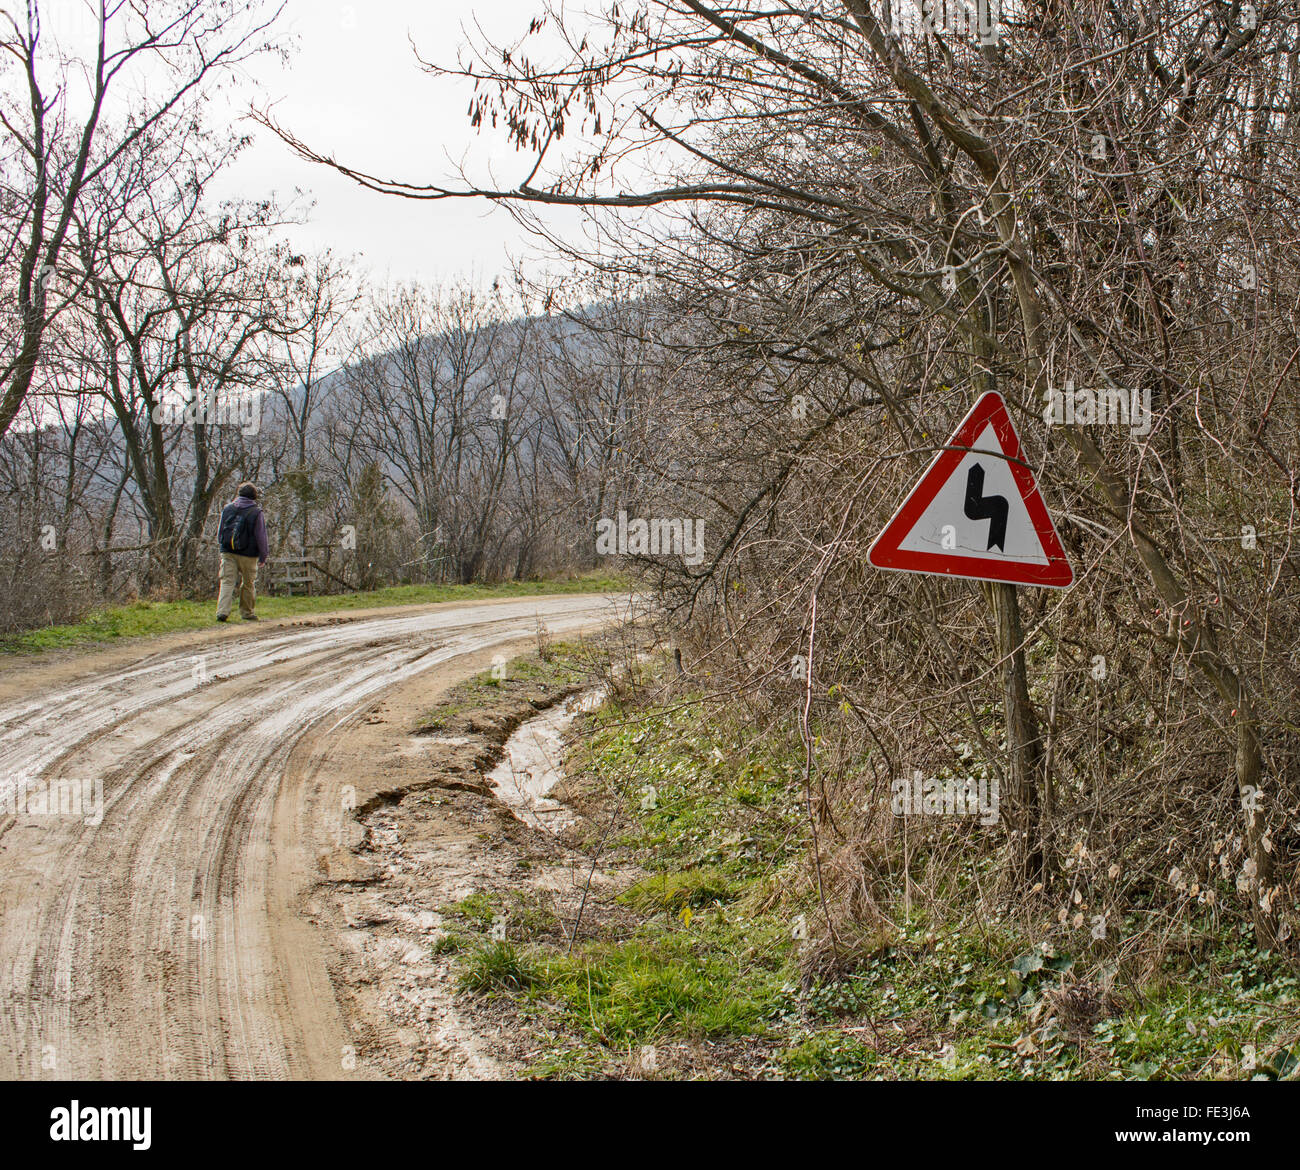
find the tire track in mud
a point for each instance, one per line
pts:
(167, 939)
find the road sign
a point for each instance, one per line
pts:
(976, 511)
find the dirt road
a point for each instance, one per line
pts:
(157, 930)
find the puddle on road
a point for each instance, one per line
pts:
(530, 767)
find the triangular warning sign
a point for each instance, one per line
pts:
(976, 511)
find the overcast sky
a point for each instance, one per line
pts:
(354, 89)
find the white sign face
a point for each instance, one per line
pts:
(976, 511)
(999, 531)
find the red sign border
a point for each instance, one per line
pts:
(885, 551)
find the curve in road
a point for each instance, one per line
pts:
(154, 934)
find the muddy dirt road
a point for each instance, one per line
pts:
(167, 939)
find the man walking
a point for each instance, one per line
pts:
(242, 536)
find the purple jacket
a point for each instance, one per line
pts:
(260, 531)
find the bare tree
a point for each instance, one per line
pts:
(441, 406)
(319, 297)
(186, 309)
(53, 153)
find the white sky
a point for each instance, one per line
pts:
(354, 89)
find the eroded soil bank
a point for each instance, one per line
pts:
(453, 847)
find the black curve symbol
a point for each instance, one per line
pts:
(991, 508)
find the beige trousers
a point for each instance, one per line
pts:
(241, 571)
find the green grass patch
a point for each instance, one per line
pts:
(476, 909)
(716, 977)
(499, 966)
(1233, 1014)
(989, 1007)
(144, 618)
(697, 805)
(673, 892)
(450, 942)
(699, 963)
(829, 1056)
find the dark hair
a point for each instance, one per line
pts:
(247, 489)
